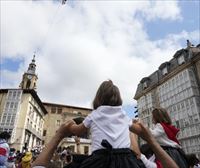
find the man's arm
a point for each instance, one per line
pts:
(45, 156)
(134, 144)
(139, 129)
(78, 130)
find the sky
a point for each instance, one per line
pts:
(82, 43)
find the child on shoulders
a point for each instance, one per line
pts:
(165, 134)
(109, 127)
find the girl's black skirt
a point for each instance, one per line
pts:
(177, 155)
(112, 158)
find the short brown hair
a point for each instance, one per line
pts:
(107, 94)
(160, 115)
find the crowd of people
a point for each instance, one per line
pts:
(114, 140)
(10, 158)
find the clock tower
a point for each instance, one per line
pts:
(29, 78)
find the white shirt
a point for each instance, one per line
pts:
(148, 163)
(197, 166)
(161, 137)
(110, 123)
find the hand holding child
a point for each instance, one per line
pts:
(138, 128)
(64, 130)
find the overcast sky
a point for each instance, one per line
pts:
(82, 43)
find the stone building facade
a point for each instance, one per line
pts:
(176, 87)
(22, 114)
(57, 114)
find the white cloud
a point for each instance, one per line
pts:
(163, 10)
(84, 44)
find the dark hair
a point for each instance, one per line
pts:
(146, 150)
(160, 115)
(5, 135)
(192, 159)
(107, 94)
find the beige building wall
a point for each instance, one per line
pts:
(57, 114)
(28, 120)
(85, 145)
(20, 122)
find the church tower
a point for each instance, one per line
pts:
(29, 78)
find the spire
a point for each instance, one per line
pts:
(32, 66)
(33, 60)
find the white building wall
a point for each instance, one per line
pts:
(11, 112)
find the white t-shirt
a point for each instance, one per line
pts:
(110, 123)
(161, 137)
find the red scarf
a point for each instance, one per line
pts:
(158, 163)
(171, 132)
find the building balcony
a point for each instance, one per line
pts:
(82, 140)
(32, 130)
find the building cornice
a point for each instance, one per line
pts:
(63, 105)
(176, 70)
(33, 93)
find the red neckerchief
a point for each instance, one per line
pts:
(158, 163)
(171, 132)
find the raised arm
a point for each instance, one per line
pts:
(78, 130)
(134, 144)
(139, 129)
(45, 156)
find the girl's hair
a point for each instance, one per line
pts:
(192, 159)
(161, 115)
(107, 94)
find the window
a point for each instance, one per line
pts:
(14, 94)
(13, 120)
(72, 147)
(59, 110)
(57, 122)
(53, 109)
(11, 105)
(18, 95)
(86, 150)
(44, 132)
(15, 105)
(181, 59)
(9, 94)
(144, 85)
(8, 120)
(164, 71)
(7, 104)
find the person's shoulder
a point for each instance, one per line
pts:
(158, 125)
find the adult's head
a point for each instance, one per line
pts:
(107, 94)
(160, 115)
(5, 135)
